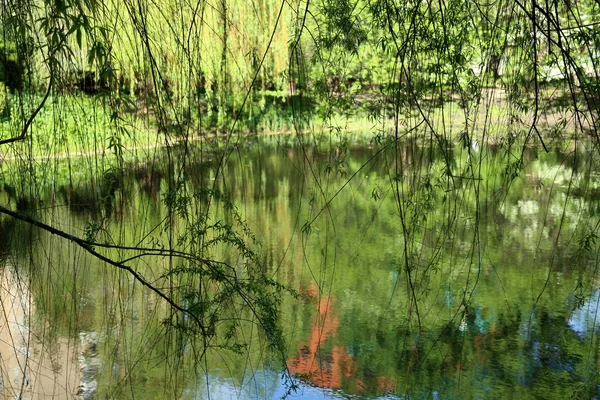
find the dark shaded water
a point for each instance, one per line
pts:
(413, 282)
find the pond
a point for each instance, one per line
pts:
(418, 269)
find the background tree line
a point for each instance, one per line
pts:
(209, 64)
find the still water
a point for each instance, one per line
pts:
(418, 272)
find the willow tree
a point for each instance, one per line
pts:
(170, 74)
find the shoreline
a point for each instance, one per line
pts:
(492, 116)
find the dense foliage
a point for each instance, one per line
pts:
(189, 67)
(92, 92)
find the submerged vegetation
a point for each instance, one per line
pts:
(150, 223)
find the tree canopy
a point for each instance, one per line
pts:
(102, 80)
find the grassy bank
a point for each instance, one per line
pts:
(82, 124)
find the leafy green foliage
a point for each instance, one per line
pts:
(101, 80)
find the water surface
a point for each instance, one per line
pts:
(412, 281)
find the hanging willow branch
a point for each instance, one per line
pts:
(89, 247)
(29, 121)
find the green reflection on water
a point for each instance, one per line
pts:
(476, 297)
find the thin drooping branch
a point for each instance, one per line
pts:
(87, 246)
(29, 121)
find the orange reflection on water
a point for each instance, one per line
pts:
(323, 363)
